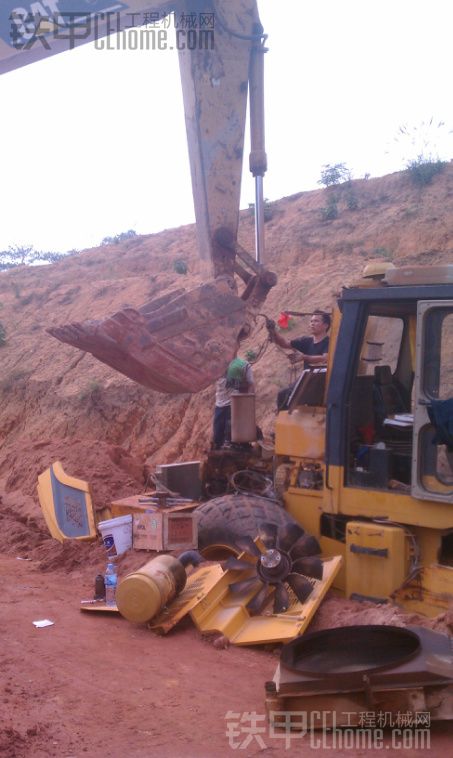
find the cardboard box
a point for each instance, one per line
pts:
(160, 530)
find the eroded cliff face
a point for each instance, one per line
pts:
(60, 404)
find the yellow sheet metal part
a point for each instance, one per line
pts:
(66, 505)
(221, 610)
(198, 584)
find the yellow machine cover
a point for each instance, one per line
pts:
(66, 505)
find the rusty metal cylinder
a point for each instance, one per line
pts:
(243, 420)
(142, 594)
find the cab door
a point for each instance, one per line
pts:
(432, 464)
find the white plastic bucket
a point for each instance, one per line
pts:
(116, 534)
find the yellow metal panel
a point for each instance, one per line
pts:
(302, 431)
(197, 585)
(430, 593)
(429, 542)
(391, 504)
(225, 612)
(377, 559)
(329, 548)
(71, 505)
(305, 507)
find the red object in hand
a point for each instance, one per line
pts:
(283, 320)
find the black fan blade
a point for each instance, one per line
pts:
(237, 564)
(312, 566)
(281, 600)
(246, 545)
(245, 584)
(258, 602)
(268, 535)
(288, 535)
(302, 587)
(306, 545)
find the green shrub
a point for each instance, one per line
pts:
(180, 266)
(352, 202)
(92, 388)
(2, 335)
(119, 237)
(422, 170)
(330, 211)
(251, 355)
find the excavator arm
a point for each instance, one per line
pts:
(184, 342)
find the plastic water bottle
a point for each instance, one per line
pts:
(111, 580)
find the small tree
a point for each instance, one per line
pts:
(25, 255)
(2, 335)
(332, 175)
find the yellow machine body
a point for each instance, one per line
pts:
(377, 559)
(370, 472)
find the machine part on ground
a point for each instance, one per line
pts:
(66, 505)
(346, 653)
(222, 520)
(221, 610)
(276, 569)
(182, 477)
(142, 594)
(347, 671)
(158, 529)
(198, 585)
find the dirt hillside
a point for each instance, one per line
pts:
(59, 403)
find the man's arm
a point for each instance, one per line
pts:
(279, 340)
(316, 360)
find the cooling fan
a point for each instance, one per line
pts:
(287, 556)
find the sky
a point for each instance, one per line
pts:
(93, 141)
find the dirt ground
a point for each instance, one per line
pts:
(94, 684)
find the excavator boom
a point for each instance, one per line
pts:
(186, 342)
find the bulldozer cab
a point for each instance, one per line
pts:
(399, 362)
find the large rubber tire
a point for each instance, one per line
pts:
(224, 518)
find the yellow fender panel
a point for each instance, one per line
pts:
(66, 505)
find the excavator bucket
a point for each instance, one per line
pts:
(179, 343)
